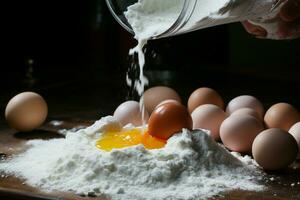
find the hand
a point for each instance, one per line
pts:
(290, 12)
(288, 22)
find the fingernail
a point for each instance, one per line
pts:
(260, 32)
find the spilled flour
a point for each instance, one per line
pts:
(190, 166)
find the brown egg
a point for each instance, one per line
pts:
(209, 117)
(129, 113)
(168, 119)
(203, 96)
(281, 115)
(238, 132)
(295, 131)
(245, 101)
(247, 111)
(274, 149)
(26, 111)
(154, 96)
(168, 101)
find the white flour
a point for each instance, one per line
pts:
(151, 18)
(190, 166)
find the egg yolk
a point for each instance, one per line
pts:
(151, 142)
(127, 138)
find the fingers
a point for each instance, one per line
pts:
(290, 11)
(254, 29)
(284, 26)
(289, 29)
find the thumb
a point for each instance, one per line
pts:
(254, 29)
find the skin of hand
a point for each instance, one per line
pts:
(289, 22)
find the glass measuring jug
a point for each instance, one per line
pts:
(261, 12)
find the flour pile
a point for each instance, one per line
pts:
(190, 166)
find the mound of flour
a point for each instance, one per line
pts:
(190, 166)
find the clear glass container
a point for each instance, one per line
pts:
(117, 8)
(261, 12)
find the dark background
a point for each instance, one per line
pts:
(76, 56)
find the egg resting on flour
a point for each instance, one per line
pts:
(189, 160)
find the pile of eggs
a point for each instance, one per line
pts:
(272, 137)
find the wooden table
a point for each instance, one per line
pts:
(283, 185)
